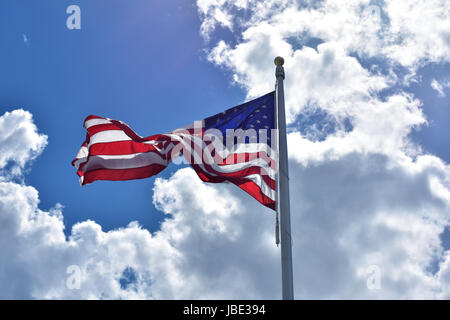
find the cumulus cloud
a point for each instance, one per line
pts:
(210, 249)
(226, 14)
(19, 140)
(407, 33)
(364, 196)
(329, 78)
(439, 88)
(326, 79)
(348, 214)
(365, 210)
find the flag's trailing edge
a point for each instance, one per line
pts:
(233, 146)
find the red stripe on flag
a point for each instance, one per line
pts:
(245, 184)
(244, 157)
(92, 117)
(244, 172)
(122, 174)
(254, 169)
(122, 148)
(102, 127)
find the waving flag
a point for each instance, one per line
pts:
(233, 146)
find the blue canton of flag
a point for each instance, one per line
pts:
(256, 114)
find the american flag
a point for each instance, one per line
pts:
(233, 146)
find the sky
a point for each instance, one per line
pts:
(367, 95)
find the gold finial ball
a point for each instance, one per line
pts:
(279, 61)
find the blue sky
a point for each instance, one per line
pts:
(368, 106)
(142, 64)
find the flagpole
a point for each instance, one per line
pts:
(283, 186)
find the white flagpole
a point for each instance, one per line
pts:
(283, 205)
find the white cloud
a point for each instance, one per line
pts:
(329, 80)
(367, 194)
(364, 210)
(348, 213)
(419, 31)
(19, 140)
(25, 39)
(378, 127)
(408, 33)
(444, 274)
(326, 77)
(216, 13)
(439, 87)
(323, 44)
(194, 255)
(225, 13)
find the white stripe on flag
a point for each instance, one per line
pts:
(108, 136)
(94, 122)
(125, 161)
